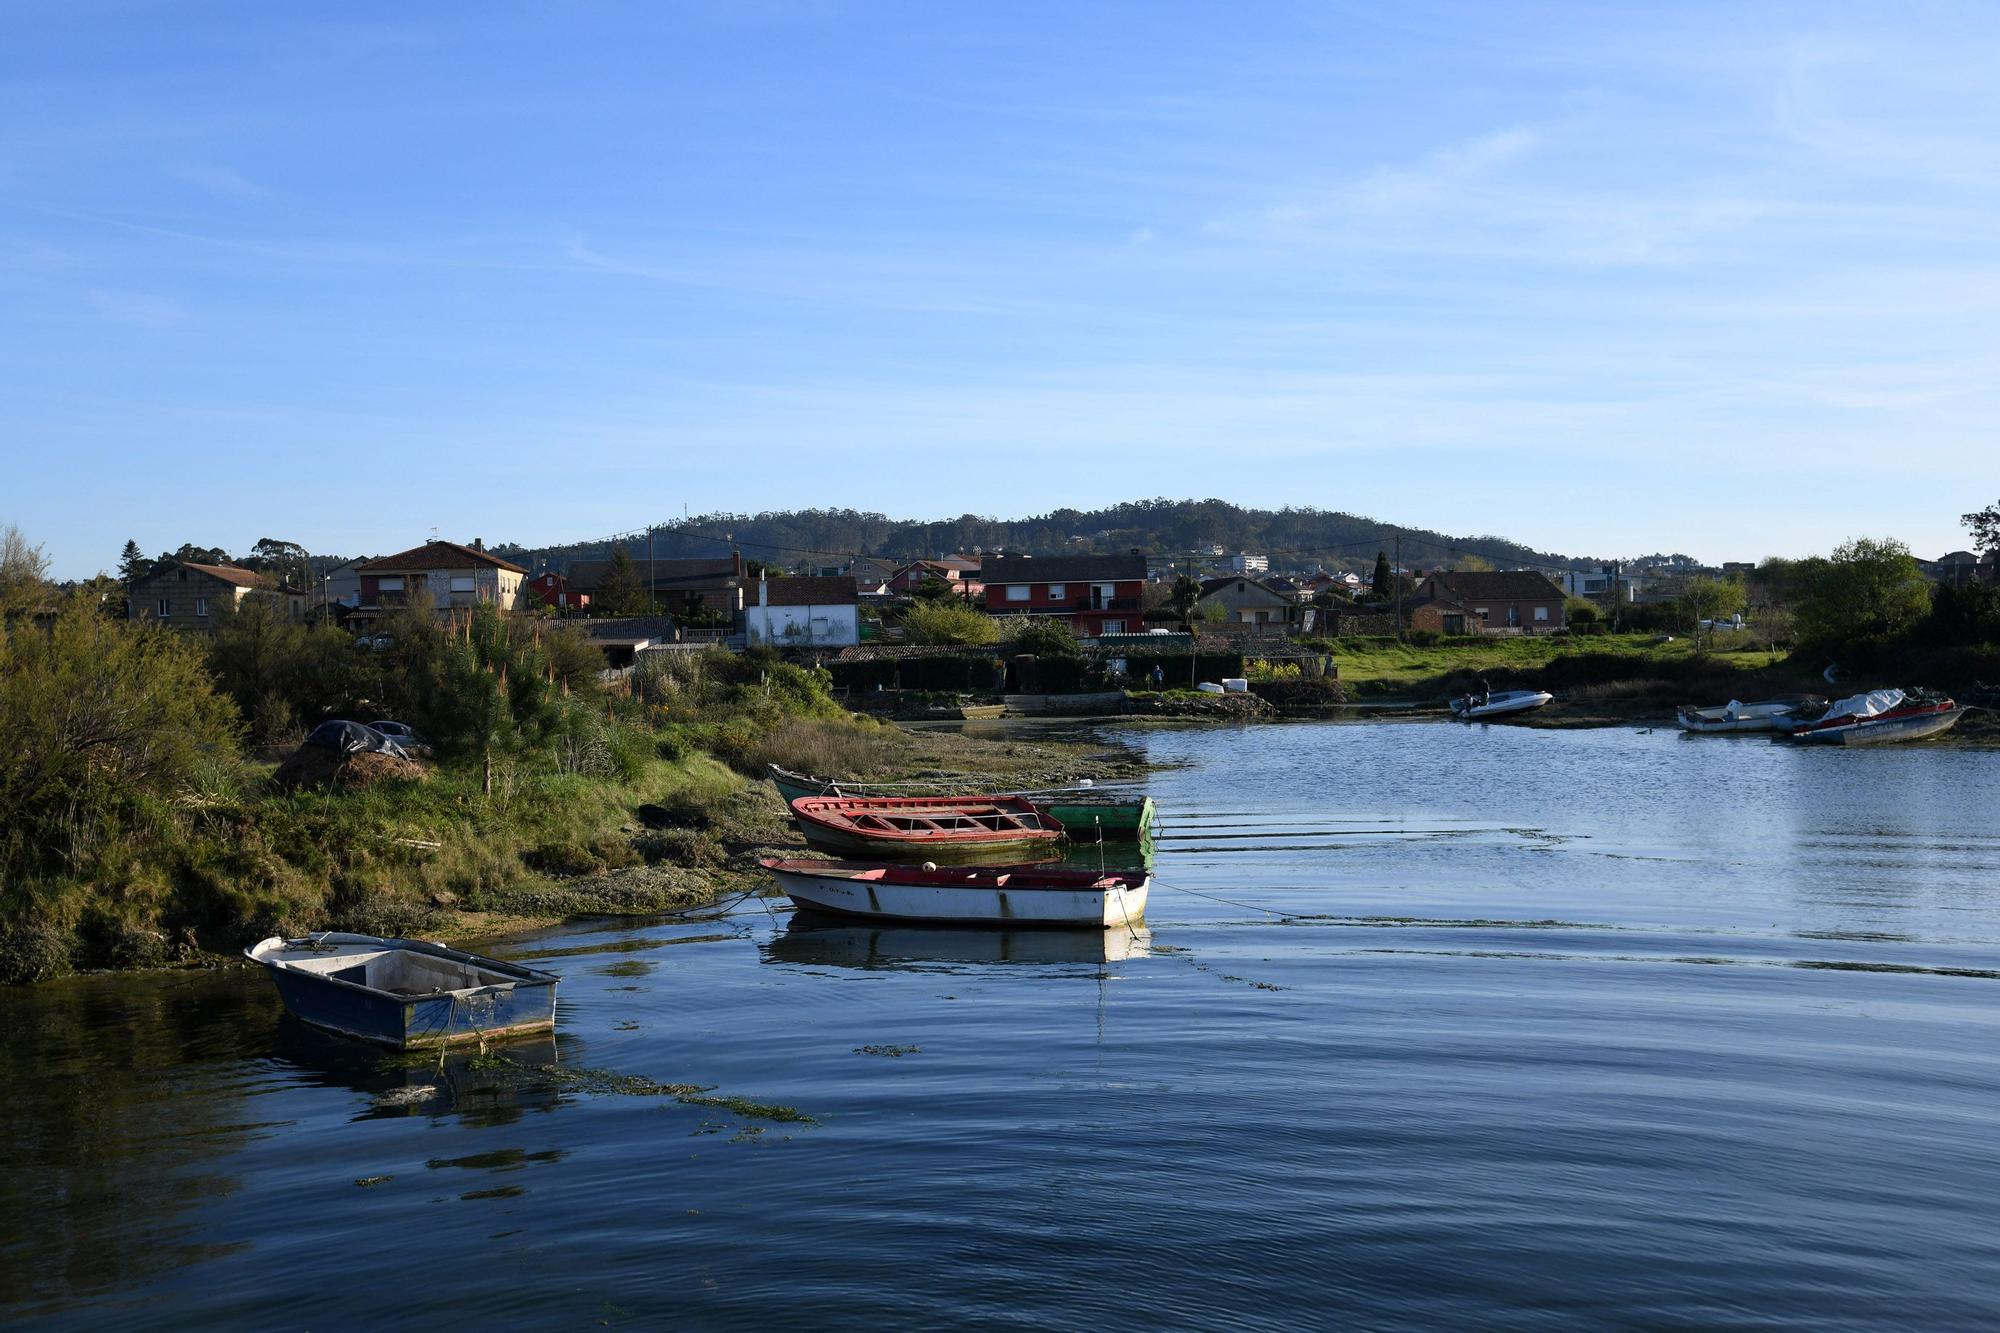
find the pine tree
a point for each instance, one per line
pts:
(1385, 581)
(621, 593)
(132, 564)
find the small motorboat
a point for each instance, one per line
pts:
(1764, 715)
(1468, 707)
(408, 994)
(967, 895)
(1878, 717)
(1085, 813)
(926, 826)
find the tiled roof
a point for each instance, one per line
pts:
(805, 592)
(680, 571)
(1512, 585)
(438, 555)
(242, 578)
(1064, 569)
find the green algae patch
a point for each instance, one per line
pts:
(893, 1052)
(743, 1106)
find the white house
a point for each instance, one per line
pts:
(804, 613)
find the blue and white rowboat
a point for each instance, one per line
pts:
(408, 994)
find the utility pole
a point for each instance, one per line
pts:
(1396, 577)
(652, 583)
(1617, 597)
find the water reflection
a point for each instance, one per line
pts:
(123, 1095)
(816, 940)
(481, 1088)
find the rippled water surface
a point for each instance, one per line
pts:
(1494, 1027)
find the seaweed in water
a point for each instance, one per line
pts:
(891, 1051)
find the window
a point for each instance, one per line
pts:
(1058, 591)
(166, 608)
(201, 606)
(389, 585)
(1017, 592)
(1479, 611)
(1115, 627)
(1541, 613)
(461, 583)
(1513, 617)
(184, 576)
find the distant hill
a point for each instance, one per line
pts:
(1300, 538)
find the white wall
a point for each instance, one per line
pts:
(803, 626)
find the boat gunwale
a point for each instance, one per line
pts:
(529, 978)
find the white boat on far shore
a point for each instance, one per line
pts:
(1764, 715)
(1471, 707)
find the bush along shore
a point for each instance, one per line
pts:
(145, 827)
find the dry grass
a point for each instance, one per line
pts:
(841, 749)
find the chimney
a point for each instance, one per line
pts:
(478, 543)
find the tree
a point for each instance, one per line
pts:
(948, 622)
(24, 573)
(1709, 599)
(1044, 636)
(1384, 586)
(621, 593)
(933, 589)
(289, 561)
(1185, 597)
(1867, 590)
(1984, 525)
(133, 564)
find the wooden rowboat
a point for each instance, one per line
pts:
(408, 994)
(925, 827)
(1085, 814)
(989, 896)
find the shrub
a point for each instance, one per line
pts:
(827, 748)
(949, 622)
(1044, 636)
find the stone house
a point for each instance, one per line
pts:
(1515, 601)
(184, 595)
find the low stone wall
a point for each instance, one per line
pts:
(1067, 705)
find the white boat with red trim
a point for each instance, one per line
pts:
(1880, 716)
(967, 895)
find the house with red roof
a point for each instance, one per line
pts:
(439, 576)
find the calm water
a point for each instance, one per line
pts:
(1499, 1027)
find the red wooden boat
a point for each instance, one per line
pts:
(925, 827)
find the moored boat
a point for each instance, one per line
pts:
(1763, 715)
(966, 895)
(1879, 717)
(1469, 707)
(926, 826)
(1085, 814)
(408, 994)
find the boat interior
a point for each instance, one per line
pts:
(396, 971)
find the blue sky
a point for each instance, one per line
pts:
(1606, 279)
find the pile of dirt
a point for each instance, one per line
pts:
(315, 766)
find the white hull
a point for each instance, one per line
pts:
(1502, 705)
(1771, 716)
(969, 904)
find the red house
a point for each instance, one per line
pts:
(1096, 594)
(955, 572)
(551, 589)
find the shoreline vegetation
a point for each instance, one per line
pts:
(147, 832)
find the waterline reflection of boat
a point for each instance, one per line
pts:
(830, 941)
(986, 895)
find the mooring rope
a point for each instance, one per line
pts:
(1227, 902)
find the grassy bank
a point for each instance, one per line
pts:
(147, 830)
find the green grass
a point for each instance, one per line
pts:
(1385, 667)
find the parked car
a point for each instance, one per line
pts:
(404, 735)
(353, 738)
